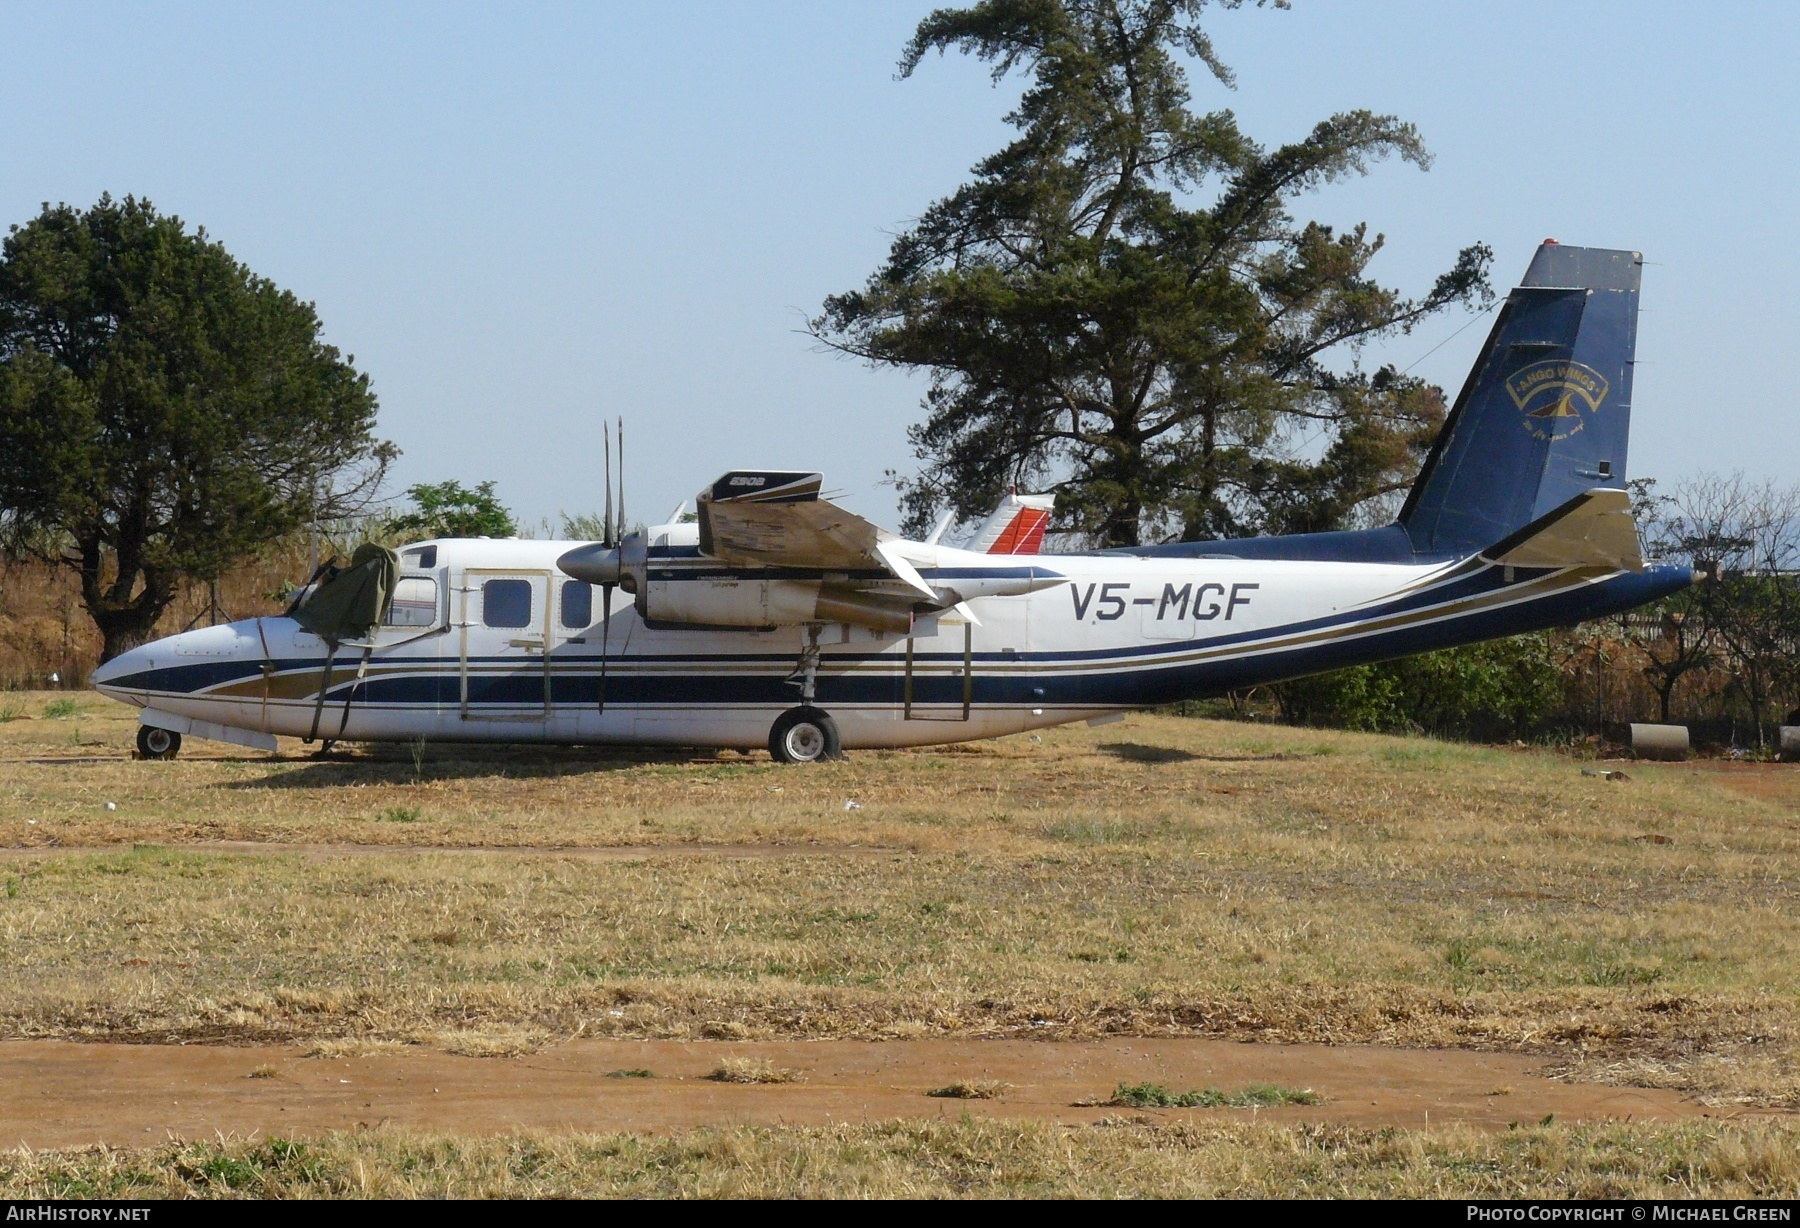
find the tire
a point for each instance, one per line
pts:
(805, 735)
(154, 743)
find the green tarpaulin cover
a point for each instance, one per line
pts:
(353, 602)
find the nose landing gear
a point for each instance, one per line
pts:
(805, 735)
(154, 743)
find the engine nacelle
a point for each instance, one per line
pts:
(729, 602)
(746, 602)
(680, 591)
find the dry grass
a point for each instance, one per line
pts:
(1163, 876)
(750, 1070)
(979, 1089)
(331, 1048)
(1256, 1096)
(948, 1158)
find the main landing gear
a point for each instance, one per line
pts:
(154, 743)
(805, 734)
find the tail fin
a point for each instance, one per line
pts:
(1546, 411)
(1015, 527)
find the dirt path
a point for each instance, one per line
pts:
(58, 1093)
(595, 852)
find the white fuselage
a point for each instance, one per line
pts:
(495, 644)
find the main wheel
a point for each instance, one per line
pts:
(154, 743)
(805, 735)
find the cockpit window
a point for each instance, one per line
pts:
(415, 603)
(506, 603)
(424, 559)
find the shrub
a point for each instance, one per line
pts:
(1503, 688)
(1257, 1095)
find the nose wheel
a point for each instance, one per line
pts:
(154, 743)
(805, 735)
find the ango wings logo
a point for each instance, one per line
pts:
(1556, 396)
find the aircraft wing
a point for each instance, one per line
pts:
(778, 520)
(757, 519)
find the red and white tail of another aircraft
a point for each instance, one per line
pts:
(1015, 527)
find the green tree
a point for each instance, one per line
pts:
(1744, 537)
(164, 412)
(450, 509)
(1685, 640)
(1685, 643)
(1758, 622)
(1119, 304)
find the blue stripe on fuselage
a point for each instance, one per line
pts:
(1050, 678)
(1208, 678)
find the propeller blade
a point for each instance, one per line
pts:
(615, 541)
(606, 531)
(605, 635)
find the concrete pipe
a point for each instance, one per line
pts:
(1659, 742)
(1790, 743)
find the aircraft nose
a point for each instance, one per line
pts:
(108, 678)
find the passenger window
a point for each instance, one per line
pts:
(577, 603)
(415, 603)
(506, 603)
(424, 560)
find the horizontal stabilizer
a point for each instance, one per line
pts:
(1594, 529)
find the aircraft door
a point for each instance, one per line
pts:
(410, 644)
(937, 682)
(575, 644)
(505, 642)
(1031, 682)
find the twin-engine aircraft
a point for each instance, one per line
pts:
(779, 619)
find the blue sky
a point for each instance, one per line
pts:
(521, 218)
